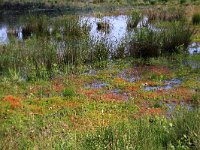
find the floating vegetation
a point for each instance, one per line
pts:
(103, 26)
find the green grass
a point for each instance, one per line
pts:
(196, 19)
(63, 113)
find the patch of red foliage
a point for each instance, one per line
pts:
(145, 111)
(58, 87)
(132, 88)
(114, 96)
(182, 93)
(78, 122)
(90, 93)
(14, 101)
(72, 104)
(160, 70)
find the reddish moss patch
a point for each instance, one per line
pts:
(72, 104)
(14, 101)
(114, 96)
(90, 93)
(145, 111)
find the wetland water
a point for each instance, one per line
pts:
(117, 33)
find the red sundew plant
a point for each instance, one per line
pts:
(14, 101)
(145, 111)
(90, 93)
(113, 96)
(183, 93)
(131, 88)
(57, 87)
(159, 70)
(154, 111)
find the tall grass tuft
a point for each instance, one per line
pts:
(134, 19)
(147, 42)
(196, 18)
(175, 35)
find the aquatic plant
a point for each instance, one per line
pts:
(103, 26)
(175, 35)
(134, 19)
(145, 43)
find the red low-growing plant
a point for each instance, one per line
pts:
(14, 101)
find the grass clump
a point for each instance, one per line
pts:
(69, 92)
(196, 19)
(173, 38)
(175, 35)
(145, 43)
(134, 19)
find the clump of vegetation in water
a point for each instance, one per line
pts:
(175, 35)
(134, 19)
(167, 40)
(145, 43)
(103, 26)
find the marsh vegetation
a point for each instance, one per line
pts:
(101, 81)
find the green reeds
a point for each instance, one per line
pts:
(145, 43)
(134, 19)
(196, 19)
(175, 35)
(151, 43)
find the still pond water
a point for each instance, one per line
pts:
(118, 31)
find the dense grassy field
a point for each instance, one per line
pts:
(104, 109)
(144, 95)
